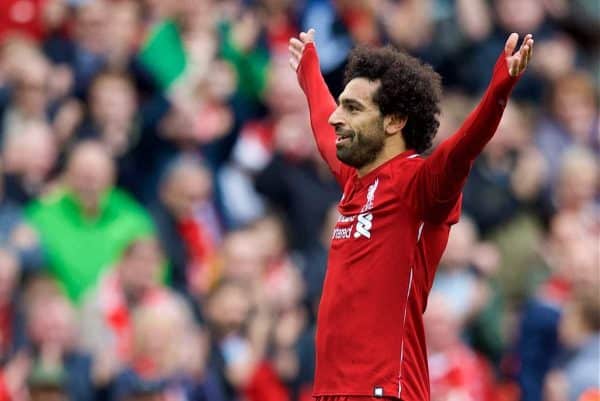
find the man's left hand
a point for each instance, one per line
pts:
(517, 62)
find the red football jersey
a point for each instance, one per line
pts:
(385, 248)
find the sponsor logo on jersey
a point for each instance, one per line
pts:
(364, 225)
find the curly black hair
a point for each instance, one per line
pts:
(409, 88)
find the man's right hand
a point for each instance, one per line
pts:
(297, 45)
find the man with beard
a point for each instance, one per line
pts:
(396, 210)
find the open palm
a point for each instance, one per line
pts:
(296, 47)
(518, 61)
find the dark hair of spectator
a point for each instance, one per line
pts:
(409, 89)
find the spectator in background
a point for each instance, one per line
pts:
(127, 125)
(464, 278)
(124, 33)
(20, 257)
(243, 45)
(279, 19)
(85, 52)
(556, 56)
(12, 326)
(18, 238)
(409, 24)
(112, 107)
(258, 142)
(106, 316)
(333, 36)
(51, 326)
(114, 120)
(507, 197)
(507, 178)
(26, 91)
(30, 158)
(509, 16)
(188, 225)
(171, 350)
(577, 190)
(580, 332)
(152, 81)
(572, 119)
(572, 256)
(459, 279)
(243, 260)
(456, 372)
(86, 223)
(312, 262)
(243, 368)
(280, 269)
(257, 258)
(28, 77)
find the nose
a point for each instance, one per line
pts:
(335, 118)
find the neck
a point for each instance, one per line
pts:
(388, 152)
(91, 211)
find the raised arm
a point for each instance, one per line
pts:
(305, 61)
(440, 179)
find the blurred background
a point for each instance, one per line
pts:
(165, 217)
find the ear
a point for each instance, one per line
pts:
(393, 124)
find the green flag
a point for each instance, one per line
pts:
(163, 53)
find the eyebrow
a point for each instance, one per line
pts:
(346, 101)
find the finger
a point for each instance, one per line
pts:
(295, 52)
(525, 42)
(296, 44)
(511, 44)
(512, 69)
(523, 58)
(293, 63)
(308, 37)
(530, 51)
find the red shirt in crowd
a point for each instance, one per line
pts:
(459, 373)
(21, 16)
(385, 248)
(4, 395)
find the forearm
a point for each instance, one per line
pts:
(451, 161)
(321, 104)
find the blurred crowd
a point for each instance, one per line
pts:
(165, 216)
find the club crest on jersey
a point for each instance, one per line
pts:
(365, 218)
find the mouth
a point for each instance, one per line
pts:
(343, 138)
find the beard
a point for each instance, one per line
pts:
(362, 149)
